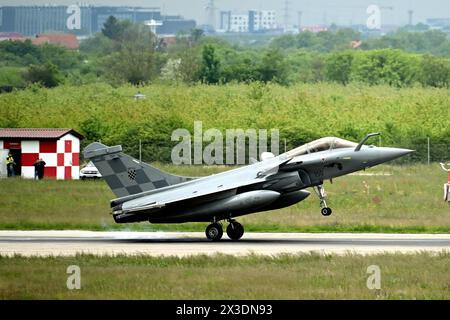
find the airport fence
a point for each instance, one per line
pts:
(425, 153)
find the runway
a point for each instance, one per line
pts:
(72, 242)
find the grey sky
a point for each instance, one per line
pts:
(314, 11)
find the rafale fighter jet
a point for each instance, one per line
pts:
(145, 193)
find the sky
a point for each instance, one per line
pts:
(342, 12)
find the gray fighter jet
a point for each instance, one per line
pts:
(145, 193)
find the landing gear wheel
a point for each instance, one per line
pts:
(214, 232)
(235, 230)
(326, 211)
(323, 203)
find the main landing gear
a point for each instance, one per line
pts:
(214, 231)
(235, 230)
(326, 211)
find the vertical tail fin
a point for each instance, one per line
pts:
(126, 175)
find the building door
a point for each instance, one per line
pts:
(67, 173)
(17, 155)
(14, 147)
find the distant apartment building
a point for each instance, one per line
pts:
(253, 21)
(238, 23)
(83, 19)
(261, 20)
(225, 20)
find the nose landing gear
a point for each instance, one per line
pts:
(320, 191)
(326, 211)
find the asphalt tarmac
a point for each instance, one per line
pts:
(72, 242)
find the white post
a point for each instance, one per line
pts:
(428, 147)
(447, 185)
(140, 150)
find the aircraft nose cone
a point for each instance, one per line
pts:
(394, 153)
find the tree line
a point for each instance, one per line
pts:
(129, 53)
(406, 117)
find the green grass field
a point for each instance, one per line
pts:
(409, 199)
(307, 276)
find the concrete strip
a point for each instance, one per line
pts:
(72, 242)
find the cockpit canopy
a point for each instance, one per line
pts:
(322, 144)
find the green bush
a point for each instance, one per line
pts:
(11, 77)
(47, 75)
(386, 66)
(435, 72)
(339, 67)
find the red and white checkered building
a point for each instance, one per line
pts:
(59, 148)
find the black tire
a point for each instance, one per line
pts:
(235, 230)
(326, 212)
(214, 232)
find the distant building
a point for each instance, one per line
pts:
(356, 44)
(59, 148)
(252, 21)
(261, 20)
(82, 20)
(135, 14)
(238, 23)
(32, 20)
(171, 25)
(225, 20)
(66, 40)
